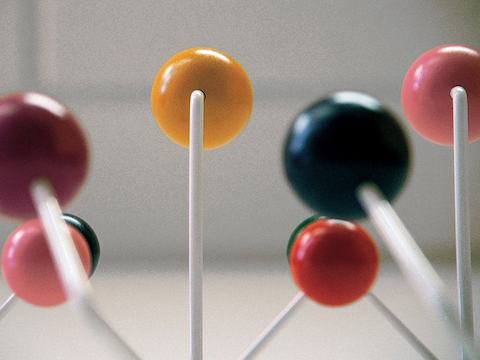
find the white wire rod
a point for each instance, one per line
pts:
(413, 263)
(414, 341)
(273, 327)
(462, 213)
(195, 224)
(7, 305)
(270, 331)
(61, 245)
(95, 319)
(69, 266)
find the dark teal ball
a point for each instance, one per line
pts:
(340, 142)
(86, 230)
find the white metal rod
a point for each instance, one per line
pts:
(462, 215)
(60, 242)
(94, 319)
(197, 102)
(401, 328)
(69, 266)
(7, 305)
(294, 304)
(273, 327)
(413, 263)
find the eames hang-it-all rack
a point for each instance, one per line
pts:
(346, 157)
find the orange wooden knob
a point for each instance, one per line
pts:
(227, 89)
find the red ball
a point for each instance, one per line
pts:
(39, 138)
(426, 91)
(334, 262)
(28, 266)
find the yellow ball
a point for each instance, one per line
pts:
(227, 89)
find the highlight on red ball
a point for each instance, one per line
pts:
(334, 262)
(426, 98)
(28, 267)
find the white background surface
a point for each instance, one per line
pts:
(149, 309)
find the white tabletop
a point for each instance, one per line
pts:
(149, 308)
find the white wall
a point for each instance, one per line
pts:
(100, 59)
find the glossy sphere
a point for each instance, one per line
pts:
(39, 137)
(28, 267)
(228, 102)
(339, 143)
(334, 262)
(426, 91)
(88, 234)
(297, 231)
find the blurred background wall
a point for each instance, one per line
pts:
(100, 57)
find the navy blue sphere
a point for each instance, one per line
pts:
(339, 143)
(86, 230)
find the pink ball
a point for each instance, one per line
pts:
(39, 137)
(426, 91)
(28, 266)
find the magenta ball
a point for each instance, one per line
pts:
(39, 138)
(426, 91)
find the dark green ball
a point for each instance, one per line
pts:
(340, 142)
(86, 230)
(297, 231)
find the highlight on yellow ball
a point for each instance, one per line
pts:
(228, 95)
